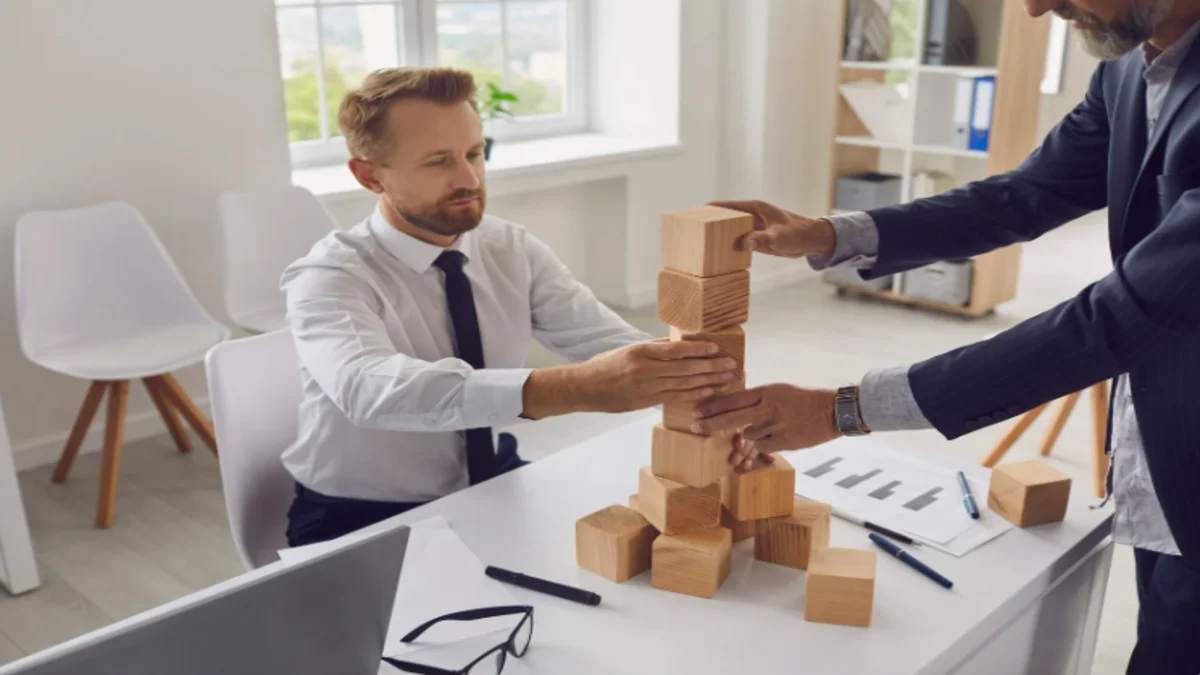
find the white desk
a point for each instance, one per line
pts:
(1028, 602)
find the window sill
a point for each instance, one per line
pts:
(557, 161)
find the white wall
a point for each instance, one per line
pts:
(160, 103)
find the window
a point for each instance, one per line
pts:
(533, 48)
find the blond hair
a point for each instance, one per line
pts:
(364, 111)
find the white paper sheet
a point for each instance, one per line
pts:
(918, 498)
(440, 575)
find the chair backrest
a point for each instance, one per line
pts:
(263, 233)
(94, 272)
(254, 390)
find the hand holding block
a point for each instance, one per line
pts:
(674, 508)
(732, 344)
(703, 241)
(840, 587)
(741, 529)
(1029, 493)
(695, 564)
(686, 458)
(680, 415)
(614, 542)
(696, 304)
(791, 539)
(766, 491)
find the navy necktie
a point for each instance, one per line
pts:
(481, 452)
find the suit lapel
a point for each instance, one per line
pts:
(1129, 145)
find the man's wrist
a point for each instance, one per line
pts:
(551, 391)
(824, 238)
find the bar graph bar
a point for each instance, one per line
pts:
(850, 481)
(822, 469)
(922, 500)
(885, 491)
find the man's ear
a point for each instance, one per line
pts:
(365, 173)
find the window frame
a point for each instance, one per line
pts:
(418, 45)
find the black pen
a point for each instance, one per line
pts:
(875, 528)
(571, 593)
(899, 553)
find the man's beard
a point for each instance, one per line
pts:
(1112, 40)
(438, 219)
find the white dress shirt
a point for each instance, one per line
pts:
(385, 399)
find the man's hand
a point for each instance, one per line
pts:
(630, 378)
(772, 418)
(783, 233)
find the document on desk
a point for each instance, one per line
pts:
(887, 487)
(440, 575)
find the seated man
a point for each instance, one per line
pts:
(412, 327)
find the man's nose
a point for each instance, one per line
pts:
(1037, 8)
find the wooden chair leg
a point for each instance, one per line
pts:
(114, 432)
(1011, 437)
(179, 399)
(82, 421)
(1059, 421)
(1099, 436)
(167, 413)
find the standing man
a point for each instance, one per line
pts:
(412, 327)
(1133, 146)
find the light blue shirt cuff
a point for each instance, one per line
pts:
(887, 403)
(857, 242)
(495, 396)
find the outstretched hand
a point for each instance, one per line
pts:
(782, 233)
(771, 418)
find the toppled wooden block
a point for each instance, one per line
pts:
(697, 304)
(741, 529)
(789, 540)
(675, 508)
(686, 458)
(696, 563)
(703, 241)
(766, 491)
(840, 586)
(1029, 493)
(614, 542)
(732, 344)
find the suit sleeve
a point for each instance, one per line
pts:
(1067, 177)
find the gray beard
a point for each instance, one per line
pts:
(1114, 40)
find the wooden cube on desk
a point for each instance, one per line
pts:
(840, 586)
(697, 304)
(675, 508)
(703, 241)
(695, 461)
(614, 542)
(696, 563)
(766, 491)
(791, 539)
(1029, 493)
(741, 529)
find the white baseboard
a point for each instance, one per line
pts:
(47, 449)
(758, 283)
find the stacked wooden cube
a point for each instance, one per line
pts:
(690, 507)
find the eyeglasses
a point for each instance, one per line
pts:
(490, 662)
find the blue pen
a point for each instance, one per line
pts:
(897, 552)
(968, 499)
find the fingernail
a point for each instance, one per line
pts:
(698, 414)
(712, 349)
(707, 392)
(728, 363)
(751, 245)
(696, 428)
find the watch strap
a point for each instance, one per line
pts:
(847, 413)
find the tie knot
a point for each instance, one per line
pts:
(451, 261)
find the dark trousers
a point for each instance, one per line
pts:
(1169, 616)
(314, 517)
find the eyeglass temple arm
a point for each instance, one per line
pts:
(420, 669)
(467, 615)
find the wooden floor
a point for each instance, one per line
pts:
(171, 535)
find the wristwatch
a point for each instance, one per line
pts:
(847, 416)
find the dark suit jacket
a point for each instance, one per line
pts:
(1142, 319)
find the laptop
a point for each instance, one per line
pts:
(324, 616)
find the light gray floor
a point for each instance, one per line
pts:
(171, 536)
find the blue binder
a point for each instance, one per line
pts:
(981, 114)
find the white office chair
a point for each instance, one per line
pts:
(98, 298)
(263, 233)
(254, 387)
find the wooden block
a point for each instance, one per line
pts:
(680, 415)
(840, 586)
(675, 508)
(732, 344)
(1029, 493)
(702, 241)
(766, 491)
(741, 529)
(790, 540)
(696, 563)
(686, 458)
(697, 304)
(614, 542)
